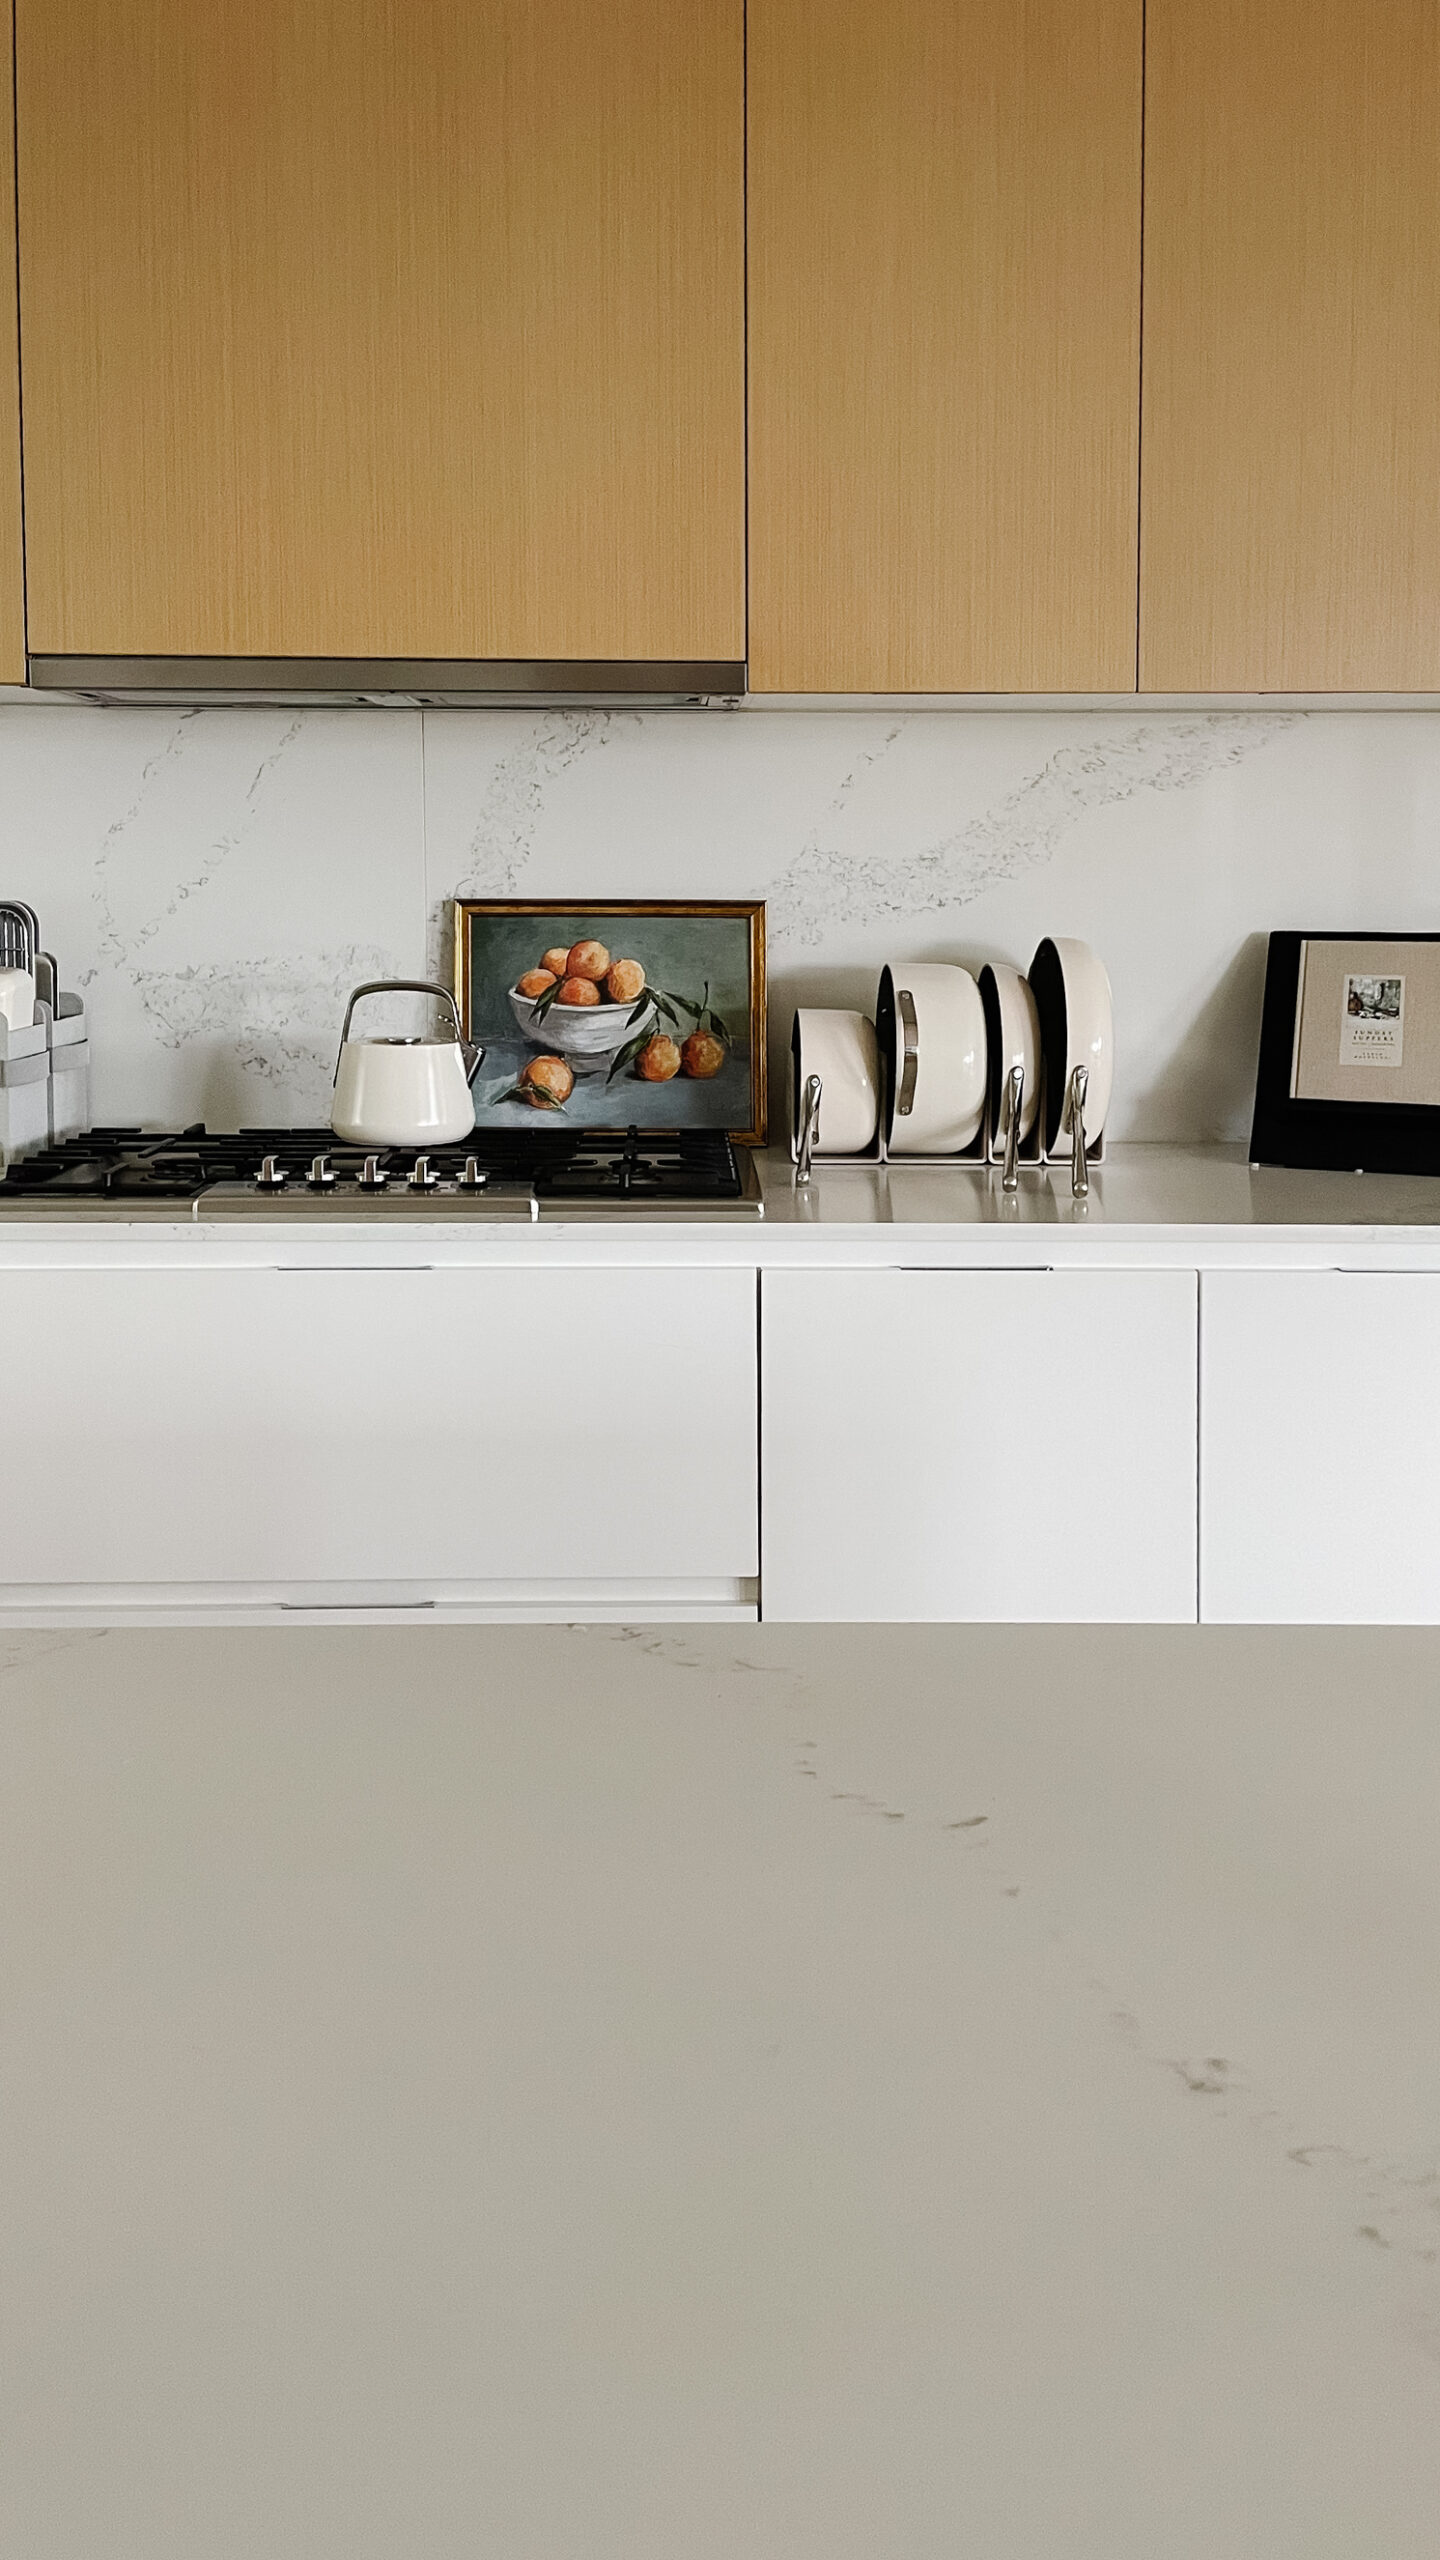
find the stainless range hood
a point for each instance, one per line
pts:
(439, 683)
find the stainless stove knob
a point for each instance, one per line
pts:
(471, 1177)
(321, 1176)
(370, 1176)
(423, 1176)
(272, 1175)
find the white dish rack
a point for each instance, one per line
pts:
(44, 1043)
(987, 1148)
(995, 1143)
(44, 1077)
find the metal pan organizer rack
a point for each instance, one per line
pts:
(994, 1145)
(997, 1141)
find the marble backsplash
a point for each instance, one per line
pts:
(215, 881)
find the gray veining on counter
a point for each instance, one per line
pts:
(821, 2092)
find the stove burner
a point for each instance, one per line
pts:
(319, 1173)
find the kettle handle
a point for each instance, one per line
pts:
(412, 987)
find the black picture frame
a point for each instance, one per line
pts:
(1342, 1137)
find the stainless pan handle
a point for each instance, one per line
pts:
(1079, 1165)
(1014, 1103)
(809, 1128)
(910, 1056)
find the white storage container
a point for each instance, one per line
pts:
(69, 1069)
(24, 1088)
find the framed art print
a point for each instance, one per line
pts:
(1349, 1073)
(625, 1013)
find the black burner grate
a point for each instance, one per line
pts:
(135, 1164)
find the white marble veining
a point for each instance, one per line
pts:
(215, 879)
(213, 882)
(828, 2093)
(827, 886)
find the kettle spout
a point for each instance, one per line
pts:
(472, 1051)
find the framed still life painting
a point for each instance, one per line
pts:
(616, 1015)
(1349, 1071)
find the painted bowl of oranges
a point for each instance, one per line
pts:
(582, 1002)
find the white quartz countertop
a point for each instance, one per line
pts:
(1196, 1207)
(1138, 1189)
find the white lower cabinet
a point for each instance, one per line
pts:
(926, 1444)
(1320, 1447)
(979, 1445)
(421, 1427)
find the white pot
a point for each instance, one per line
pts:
(840, 1049)
(404, 1093)
(931, 1028)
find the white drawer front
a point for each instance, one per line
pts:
(169, 1427)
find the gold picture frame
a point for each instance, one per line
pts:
(608, 1091)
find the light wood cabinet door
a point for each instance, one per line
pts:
(1005, 1445)
(353, 329)
(944, 344)
(12, 574)
(1290, 530)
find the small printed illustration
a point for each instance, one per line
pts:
(1372, 1023)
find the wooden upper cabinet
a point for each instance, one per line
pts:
(944, 344)
(1290, 524)
(12, 573)
(360, 328)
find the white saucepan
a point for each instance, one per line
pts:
(930, 1027)
(840, 1049)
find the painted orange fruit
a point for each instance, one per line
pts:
(702, 1054)
(624, 981)
(587, 960)
(534, 982)
(557, 959)
(579, 991)
(547, 1077)
(659, 1060)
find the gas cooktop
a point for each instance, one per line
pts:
(309, 1173)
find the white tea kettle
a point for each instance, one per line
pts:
(404, 1093)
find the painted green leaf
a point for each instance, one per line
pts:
(623, 1056)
